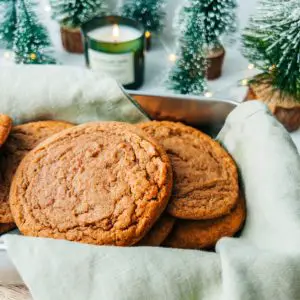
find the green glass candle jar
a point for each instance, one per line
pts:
(115, 45)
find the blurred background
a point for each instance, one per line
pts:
(158, 63)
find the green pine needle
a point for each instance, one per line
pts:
(31, 39)
(201, 24)
(272, 43)
(74, 13)
(188, 74)
(8, 22)
(150, 13)
(219, 18)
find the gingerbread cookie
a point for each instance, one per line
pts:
(5, 127)
(21, 140)
(205, 176)
(103, 183)
(159, 232)
(7, 227)
(205, 234)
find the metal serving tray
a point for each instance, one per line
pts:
(205, 114)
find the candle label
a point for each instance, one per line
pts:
(119, 66)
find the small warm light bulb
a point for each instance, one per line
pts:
(47, 8)
(116, 31)
(251, 66)
(7, 55)
(147, 34)
(244, 82)
(172, 57)
(208, 94)
(33, 56)
(272, 68)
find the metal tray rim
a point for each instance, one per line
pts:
(180, 96)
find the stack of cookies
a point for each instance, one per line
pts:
(111, 183)
(15, 143)
(205, 203)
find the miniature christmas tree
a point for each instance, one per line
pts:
(188, 74)
(272, 43)
(8, 22)
(150, 13)
(219, 18)
(73, 13)
(31, 39)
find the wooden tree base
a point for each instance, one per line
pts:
(71, 39)
(215, 61)
(286, 109)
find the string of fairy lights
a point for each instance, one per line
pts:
(8, 55)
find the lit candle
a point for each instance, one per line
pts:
(115, 33)
(115, 45)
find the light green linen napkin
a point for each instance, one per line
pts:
(264, 263)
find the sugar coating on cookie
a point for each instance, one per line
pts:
(159, 232)
(204, 234)
(103, 183)
(5, 128)
(21, 140)
(205, 176)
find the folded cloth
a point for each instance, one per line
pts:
(67, 93)
(263, 263)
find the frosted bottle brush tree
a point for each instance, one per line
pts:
(71, 14)
(272, 43)
(21, 31)
(8, 22)
(150, 13)
(188, 73)
(31, 38)
(219, 18)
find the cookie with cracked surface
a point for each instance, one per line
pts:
(7, 227)
(5, 128)
(103, 183)
(204, 234)
(205, 176)
(21, 140)
(159, 232)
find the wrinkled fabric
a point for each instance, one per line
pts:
(73, 94)
(263, 263)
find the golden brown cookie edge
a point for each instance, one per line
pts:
(198, 234)
(13, 198)
(176, 209)
(7, 216)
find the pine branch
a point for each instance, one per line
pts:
(150, 13)
(188, 74)
(8, 24)
(73, 13)
(272, 43)
(219, 18)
